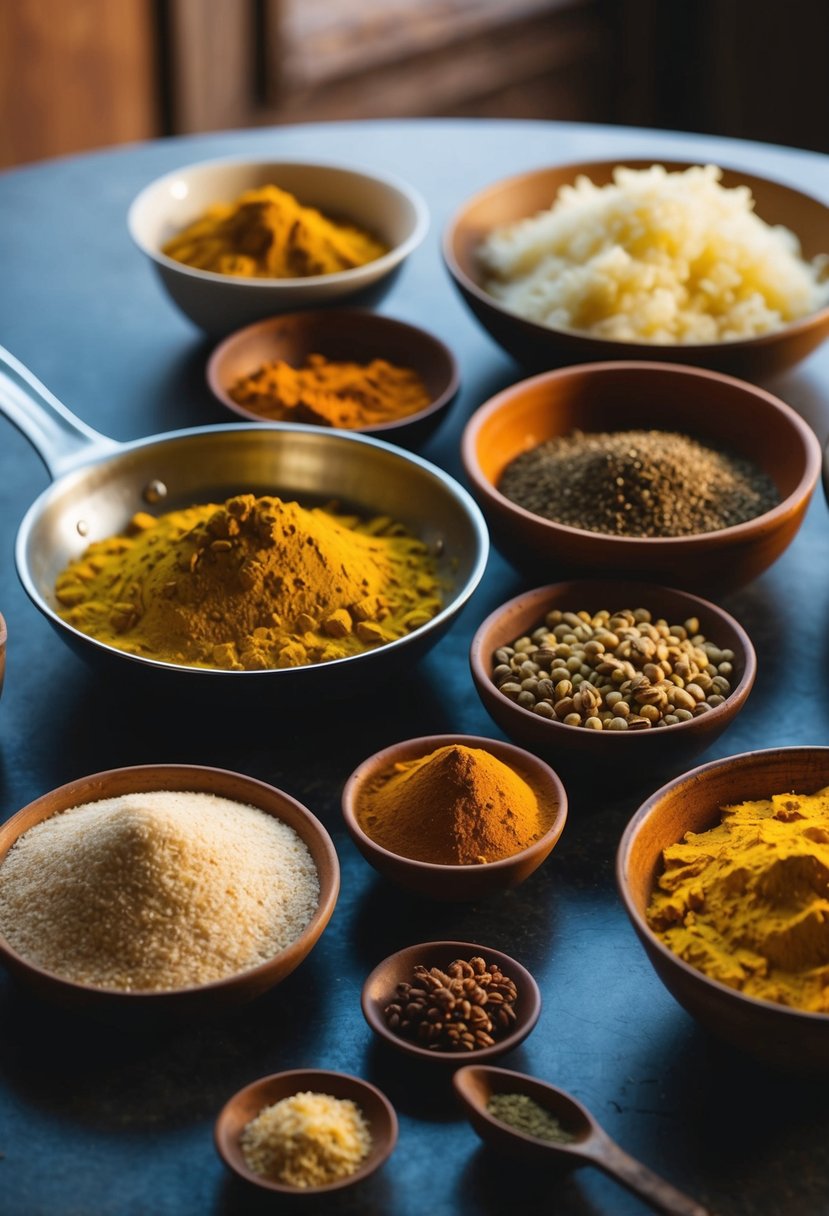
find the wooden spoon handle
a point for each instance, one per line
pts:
(643, 1182)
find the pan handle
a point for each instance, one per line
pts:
(60, 439)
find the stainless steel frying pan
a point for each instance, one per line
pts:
(98, 484)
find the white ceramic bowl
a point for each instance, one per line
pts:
(383, 205)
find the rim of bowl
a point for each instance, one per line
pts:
(740, 690)
(719, 536)
(696, 776)
(371, 319)
(4, 632)
(385, 262)
(575, 167)
(509, 966)
(519, 756)
(324, 911)
(235, 1161)
(464, 501)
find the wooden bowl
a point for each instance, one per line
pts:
(143, 1008)
(540, 346)
(774, 1033)
(218, 303)
(456, 882)
(716, 410)
(344, 335)
(380, 989)
(618, 757)
(248, 1102)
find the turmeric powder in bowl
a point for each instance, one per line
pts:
(747, 902)
(267, 233)
(457, 805)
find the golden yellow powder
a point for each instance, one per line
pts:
(747, 902)
(307, 1139)
(252, 584)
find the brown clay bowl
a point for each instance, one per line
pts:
(345, 335)
(380, 989)
(716, 410)
(774, 1033)
(456, 882)
(620, 757)
(540, 346)
(143, 1008)
(248, 1102)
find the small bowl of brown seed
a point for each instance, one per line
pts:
(621, 681)
(642, 470)
(451, 1002)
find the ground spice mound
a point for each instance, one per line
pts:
(307, 1139)
(456, 806)
(156, 891)
(637, 483)
(267, 233)
(252, 584)
(747, 902)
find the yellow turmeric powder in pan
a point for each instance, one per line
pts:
(332, 393)
(747, 902)
(267, 233)
(252, 584)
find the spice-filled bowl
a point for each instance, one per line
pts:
(278, 1133)
(345, 368)
(757, 899)
(454, 817)
(326, 233)
(641, 470)
(450, 1002)
(580, 287)
(242, 877)
(576, 672)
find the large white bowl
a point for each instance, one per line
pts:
(385, 206)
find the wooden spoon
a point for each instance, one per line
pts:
(591, 1145)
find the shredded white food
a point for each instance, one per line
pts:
(656, 256)
(156, 891)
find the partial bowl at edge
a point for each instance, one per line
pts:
(381, 204)
(776, 1034)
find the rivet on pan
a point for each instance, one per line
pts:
(82, 527)
(155, 491)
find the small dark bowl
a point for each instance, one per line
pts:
(380, 989)
(456, 882)
(541, 346)
(344, 335)
(248, 1102)
(776, 1034)
(143, 1008)
(716, 410)
(616, 756)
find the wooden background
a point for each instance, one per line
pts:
(79, 74)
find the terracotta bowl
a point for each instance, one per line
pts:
(775, 1033)
(456, 882)
(716, 410)
(383, 205)
(380, 990)
(540, 346)
(143, 1008)
(341, 335)
(248, 1102)
(619, 757)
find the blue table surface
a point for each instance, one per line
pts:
(94, 1121)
